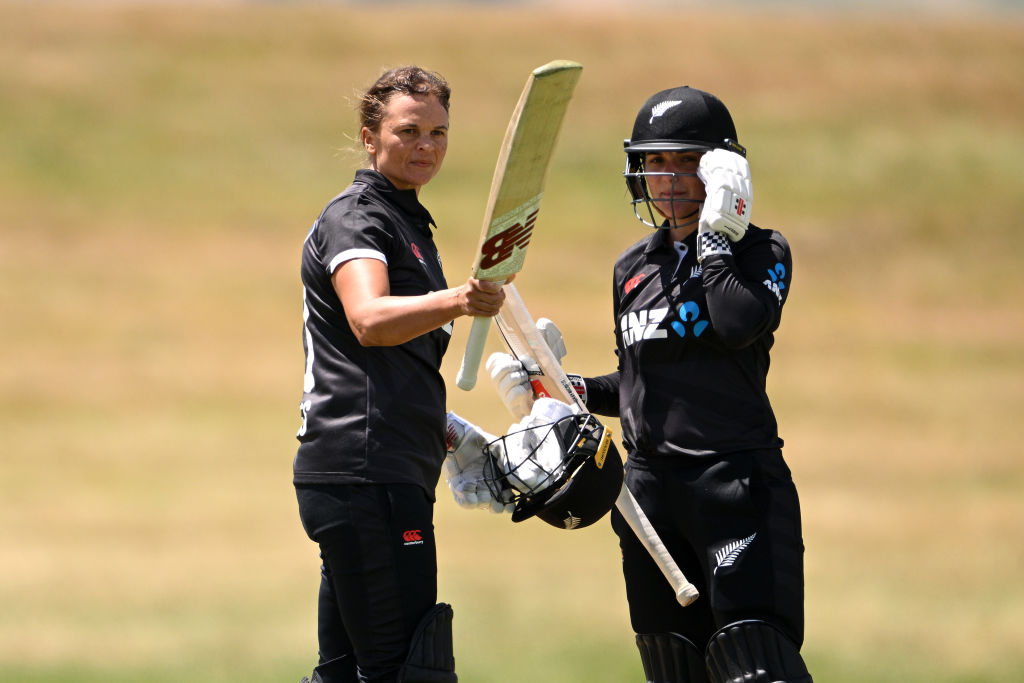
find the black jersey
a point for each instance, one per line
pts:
(693, 344)
(370, 414)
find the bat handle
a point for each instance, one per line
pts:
(466, 378)
(685, 591)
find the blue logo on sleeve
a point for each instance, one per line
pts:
(776, 280)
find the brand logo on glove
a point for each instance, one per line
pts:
(741, 207)
(412, 537)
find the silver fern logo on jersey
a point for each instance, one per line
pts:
(727, 556)
(661, 107)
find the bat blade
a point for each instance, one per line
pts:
(548, 378)
(516, 189)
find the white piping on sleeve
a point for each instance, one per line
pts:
(350, 254)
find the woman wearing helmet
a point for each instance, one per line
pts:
(696, 304)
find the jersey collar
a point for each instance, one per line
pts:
(659, 240)
(405, 199)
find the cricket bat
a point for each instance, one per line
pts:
(549, 379)
(516, 189)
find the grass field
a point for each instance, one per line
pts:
(159, 169)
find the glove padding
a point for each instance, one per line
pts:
(465, 467)
(730, 193)
(511, 377)
(534, 457)
(552, 337)
(512, 382)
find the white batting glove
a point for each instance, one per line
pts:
(465, 465)
(534, 457)
(553, 337)
(730, 194)
(512, 382)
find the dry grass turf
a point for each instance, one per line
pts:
(159, 168)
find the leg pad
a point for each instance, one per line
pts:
(670, 658)
(431, 658)
(754, 652)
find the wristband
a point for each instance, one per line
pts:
(712, 243)
(579, 385)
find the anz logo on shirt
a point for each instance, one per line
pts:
(685, 322)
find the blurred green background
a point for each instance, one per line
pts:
(160, 166)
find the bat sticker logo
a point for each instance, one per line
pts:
(500, 247)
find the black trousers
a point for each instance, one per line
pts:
(732, 524)
(378, 575)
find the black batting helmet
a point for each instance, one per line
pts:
(675, 120)
(571, 494)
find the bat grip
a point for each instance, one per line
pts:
(685, 591)
(466, 378)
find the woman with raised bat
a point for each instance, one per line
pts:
(377, 321)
